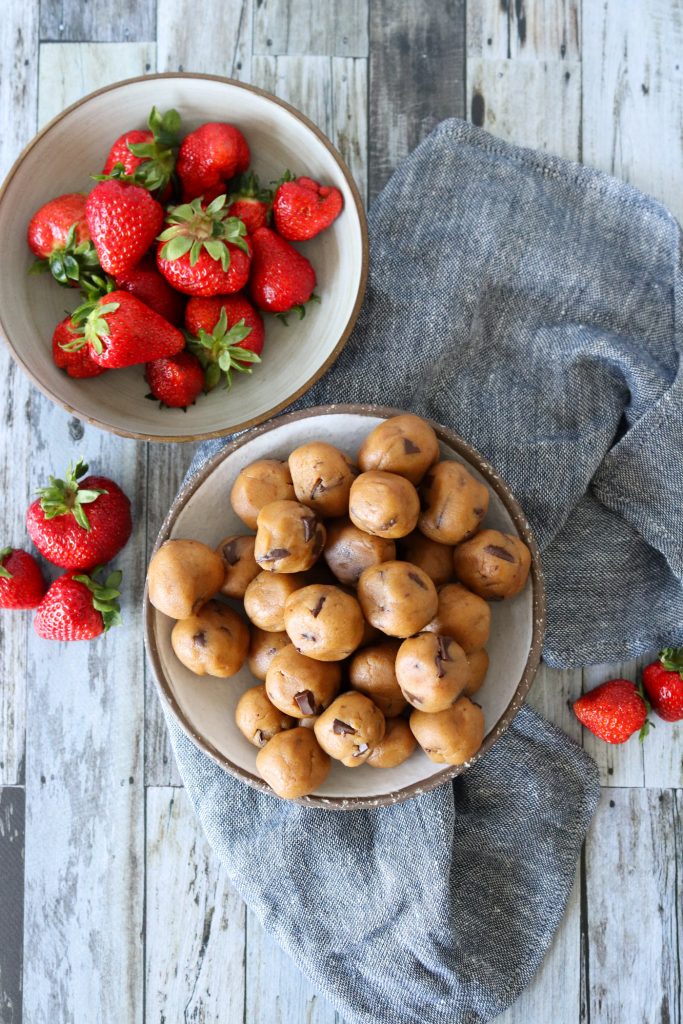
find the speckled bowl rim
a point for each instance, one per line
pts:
(471, 456)
(343, 338)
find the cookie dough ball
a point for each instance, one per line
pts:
(463, 615)
(403, 444)
(372, 672)
(452, 736)
(395, 747)
(477, 667)
(213, 642)
(182, 576)
(494, 565)
(349, 551)
(322, 478)
(453, 503)
(350, 728)
(239, 564)
(257, 719)
(259, 484)
(383, 504)
(293, 764)
(265, 597)
(323, 622)
(263, 646)
(289, 537)
(434, 558)
(431, 670)
(300, 686)
(397, 598)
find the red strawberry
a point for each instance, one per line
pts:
(229, 338)
(78, 363)
(204, 251)
(303, 208)
(251, 203)
(663, 682)
(123, 220)
(21, 581)
(203, 315)
(119, 330)
(281, 278)
(147, 284)
(58, 235)
(148, 157)
(176, 381)
(79, 607)
(613, 711)
(59, 527)
(211, 154)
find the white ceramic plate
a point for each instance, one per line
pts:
(72, 147)
(205, 707)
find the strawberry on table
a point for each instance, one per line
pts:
(302, 208)
(204, 251)
(230, 343)
(209, 156)
(147, 156)
(282, 280)
(176, 381)
(78, 607)
(251, 203)
(21, 581)
(614, 711)
(146, 283)
(119, 330)
(59, 237)
(68, 535)
(663, 684)
(77, 363)
(123, 220)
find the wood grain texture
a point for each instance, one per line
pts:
(553, 694)
(416, 77)
(525, 29)
(633, 94)
(307, 27)
(632, 908)
(96, 20)
(219, 43)
(11, 902)
(18, 106)
(194, 922)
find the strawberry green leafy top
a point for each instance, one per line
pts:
(62, 497)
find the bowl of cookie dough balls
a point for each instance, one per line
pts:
(344, 607)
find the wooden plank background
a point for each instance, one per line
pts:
(112, 906)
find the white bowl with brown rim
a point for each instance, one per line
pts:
(205, 707)
(72, 147)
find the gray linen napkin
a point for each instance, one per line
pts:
(533, 306)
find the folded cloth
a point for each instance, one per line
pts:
(533, 306)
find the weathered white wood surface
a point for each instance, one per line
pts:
(128, 915)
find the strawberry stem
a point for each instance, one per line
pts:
(672, 659)
(104, 595)
(220, 350)
(5, 573)
(192, 228)
(64, 497)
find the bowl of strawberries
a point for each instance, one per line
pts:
(186, 256)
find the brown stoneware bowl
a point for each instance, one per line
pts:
(204, 707)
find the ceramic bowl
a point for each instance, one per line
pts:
(205, 706)
(73, 146)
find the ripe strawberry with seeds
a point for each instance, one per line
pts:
(302, 208)
(21, 581)
(58, 235)
(251, 203)
(119, 330)
(177, 381)
(148, 157)
(210, 155)
(124, 221)
(79, 363)
(68, 535)
(204, 251)
(78, 607)
(149, 286)
(663, 683)
(282, 280)
(203, 314)
(224, 349)
(614, 711)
